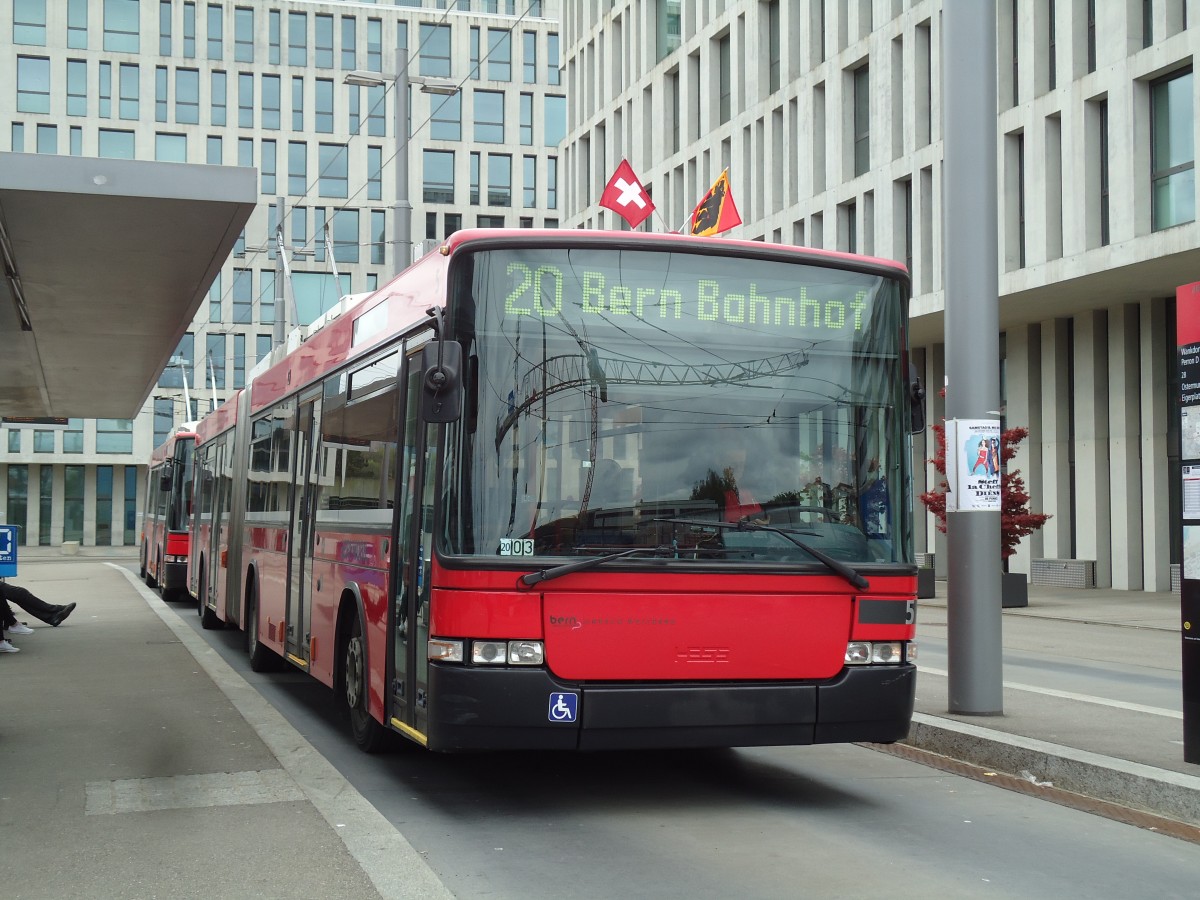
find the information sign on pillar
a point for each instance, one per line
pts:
(1187, 306)
(973, 465)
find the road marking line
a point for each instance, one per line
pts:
(1069, 695)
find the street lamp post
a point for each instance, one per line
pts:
(402, 205)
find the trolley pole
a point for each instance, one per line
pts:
(972, 324)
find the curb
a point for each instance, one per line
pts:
(1173, 795)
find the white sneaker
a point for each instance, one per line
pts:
(6, 647)
(19, 628)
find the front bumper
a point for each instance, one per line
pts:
(508, 709)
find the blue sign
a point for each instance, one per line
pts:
(8, 551)
(564, 707)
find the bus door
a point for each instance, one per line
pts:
(215, 574)
(299, 602)
(411, 560)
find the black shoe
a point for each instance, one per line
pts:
(62, 613)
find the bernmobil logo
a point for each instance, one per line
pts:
(564, 622)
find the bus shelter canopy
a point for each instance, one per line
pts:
(105, 263)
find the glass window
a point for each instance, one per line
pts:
(76, 140)
(217, 87)
(438, 176)
(214, 359)
(529, 57)
(246, 153)
(216, 32)
(164, 418)
(297, 103)
(214, 300)
(29, 22)
(14, 440)
(374, 173)
(324, 106)
(773, 45)
(446, 118)
(474, 51)
(725, 75)
(172, 375)
(43, 441)
(170, 147)
(345, 236)
(127, 86)
(297, 168)
(47, 139)
(378, 236)
(105, 90)
(552, 182)
(121, 26)
(243, 34)
(73, 484)
(77, 24)
(104, 506)
(77, 87)
(33, 84)
(349, 41)
(270, 101)
(376, 121)
(375, 44)
(354, 117)
(474, 178)
(435, 50)
(45, 504)
(243, 296)
(553, 75)
(1172, 151)
(273, 36)
(129, 537)
(187, 96)
(266, 297)
(529, 179)
(268, 167)
(262, 347)
(297, 39)
(323, 40)
(18, 496)
(73, 436)
(862, 120)
(489, 117)
(164, 31)
(239, 361)
(499, 54)
(213, 155)
(114, 435)
(116, 144)
(18, 138)
(189, 30)
(526, 125)
(245, 100)
(499, 179)
(555, 123)
(335, 176)
(160, 94)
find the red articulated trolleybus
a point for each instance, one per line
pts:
(166, 517)
(583, 490)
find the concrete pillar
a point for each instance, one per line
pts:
(1023, 408)
(1124, 467)
(1156, 536)
(1056, 423)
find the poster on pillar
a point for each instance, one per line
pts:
(973, 465)
(1187, 330)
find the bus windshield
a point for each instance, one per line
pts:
(626, 398)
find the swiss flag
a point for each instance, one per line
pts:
(625, 196)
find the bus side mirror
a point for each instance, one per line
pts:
(916, 396)
(441, 381)
(166, 478)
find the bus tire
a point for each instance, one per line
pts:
(370, 736)
(208, 619)
(262, 657)
(151, 581)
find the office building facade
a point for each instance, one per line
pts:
(305, 93)
(828, 115)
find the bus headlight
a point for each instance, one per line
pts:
(887, 652)
(525, 653)
(879, 653)
(858, 653)
(489, 653)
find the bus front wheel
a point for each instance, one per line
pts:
(370, 736)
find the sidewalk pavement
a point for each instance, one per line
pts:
(1115, 751)
(125, 737)
(134, 762)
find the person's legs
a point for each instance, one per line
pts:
(34, 605)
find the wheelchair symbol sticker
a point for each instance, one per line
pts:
(564, 707)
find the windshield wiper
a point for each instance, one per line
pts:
(580, 564)
(788, 534)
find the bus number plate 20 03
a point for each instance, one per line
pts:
(516, 546)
